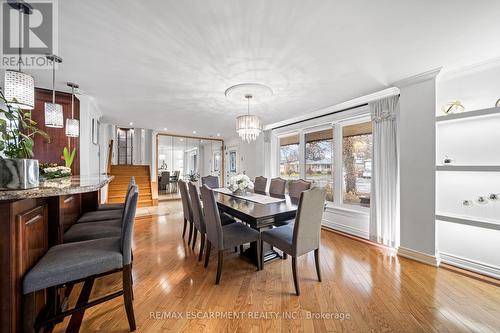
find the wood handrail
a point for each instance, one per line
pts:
(110, 156)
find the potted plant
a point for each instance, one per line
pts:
(18, 169)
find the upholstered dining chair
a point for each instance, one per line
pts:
(164, 180)
(210, 181)
(186, 208)
(296, 187)
(277, 186)
(303, 236)
(198, 218)
(260, 184)
(224, 237)
(67, 264)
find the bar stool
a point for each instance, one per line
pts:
(117, 206)
(83, 262)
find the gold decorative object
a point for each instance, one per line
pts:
(453, 107)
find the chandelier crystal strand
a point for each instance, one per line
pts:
(248, 126)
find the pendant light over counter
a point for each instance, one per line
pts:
(54, 116)
(72, 124)
(19, 86)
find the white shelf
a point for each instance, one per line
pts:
(468, 220)
(469, 114)
(473, 168)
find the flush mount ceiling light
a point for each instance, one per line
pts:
(72, 124)
(19, 86)
(248, 126)
(54, 112)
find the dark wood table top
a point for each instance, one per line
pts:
(256, 214)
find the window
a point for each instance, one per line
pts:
(319, 160)
(289, 157)
(357, 163)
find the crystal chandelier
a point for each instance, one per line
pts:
(248, 126)
(54, 112)
(72, 124)
(19, 86)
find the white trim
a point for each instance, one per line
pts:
(419, 256)
(337, 107)
(346, 208)
(470, 265)
(421, 77)
(346, 229)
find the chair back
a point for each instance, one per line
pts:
(198, 217)
(260, 184)
(176, 175)
(306, 231)
(277, 186)
(131, 182)
(296, 187)
(212, 218)
(210, 181)
(186, 202)
(165, 178)
(128, 224)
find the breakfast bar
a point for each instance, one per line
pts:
(31, 221)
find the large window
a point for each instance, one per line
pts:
(357, 163)
(289, 157)
(319, 159)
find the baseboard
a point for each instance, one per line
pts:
(470, 265)
(419, 256)
(346, 229)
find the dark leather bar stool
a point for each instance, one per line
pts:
(67, 264)
(210, 181)
(260, 184)
(303, 236)
(117, 206)
(224, 237)
(278, 186)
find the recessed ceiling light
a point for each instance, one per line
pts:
(182, 139)
(131, 123)
(194, 132)
(164, 128)
(218, 134)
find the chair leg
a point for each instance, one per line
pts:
(219, 266)
(258, 248)
(261, 252)
(316, 258)
(127, 296)
(190, 232)
(241, 249)
(235, 249)
(194, 237)
(295, 279)
(285, 256)
(184, 230)
(29, 312)
(202, 245)
(207, 254)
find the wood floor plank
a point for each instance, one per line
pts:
(379, 291)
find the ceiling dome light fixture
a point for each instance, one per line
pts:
(249, 126)
(19, 86)
(72, 124)
(54, 116)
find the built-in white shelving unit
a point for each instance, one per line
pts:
(468, 235)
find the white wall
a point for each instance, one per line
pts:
(417, 131)
(89, 152)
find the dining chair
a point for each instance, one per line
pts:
(210, 181)
(68, 264)
(198, 217)
(186, 208)
(260, 184)
(224, 237)
(303, 236)
(296, 187)
(164, 180)
(277, 186)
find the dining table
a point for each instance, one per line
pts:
(260, 211)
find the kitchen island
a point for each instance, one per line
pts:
(31, 221)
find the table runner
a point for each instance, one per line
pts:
(255, 197)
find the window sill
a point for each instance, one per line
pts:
(330, 206)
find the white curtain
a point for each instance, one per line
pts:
(384, 215)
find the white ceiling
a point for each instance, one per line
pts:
(167, 63)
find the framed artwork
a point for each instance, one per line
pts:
(232, 161)
(216, 161)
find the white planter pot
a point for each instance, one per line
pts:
(18, 173)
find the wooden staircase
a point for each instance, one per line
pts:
(118, 187)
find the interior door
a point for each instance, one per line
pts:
(232, 162)
(125, 138)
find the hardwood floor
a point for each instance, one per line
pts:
(379, 291)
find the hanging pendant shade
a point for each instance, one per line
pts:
(54, 116)
(72, 125)
(19, 90)
(248, 127)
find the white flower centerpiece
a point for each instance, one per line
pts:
(240, 184)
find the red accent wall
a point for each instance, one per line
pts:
(51, 152)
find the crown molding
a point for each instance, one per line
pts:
(414, 79)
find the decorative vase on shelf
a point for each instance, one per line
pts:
(453, 107)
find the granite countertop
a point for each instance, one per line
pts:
(60, 186)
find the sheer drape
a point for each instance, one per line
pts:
(384, 215)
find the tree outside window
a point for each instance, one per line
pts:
(289, 157)
(319, 160)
